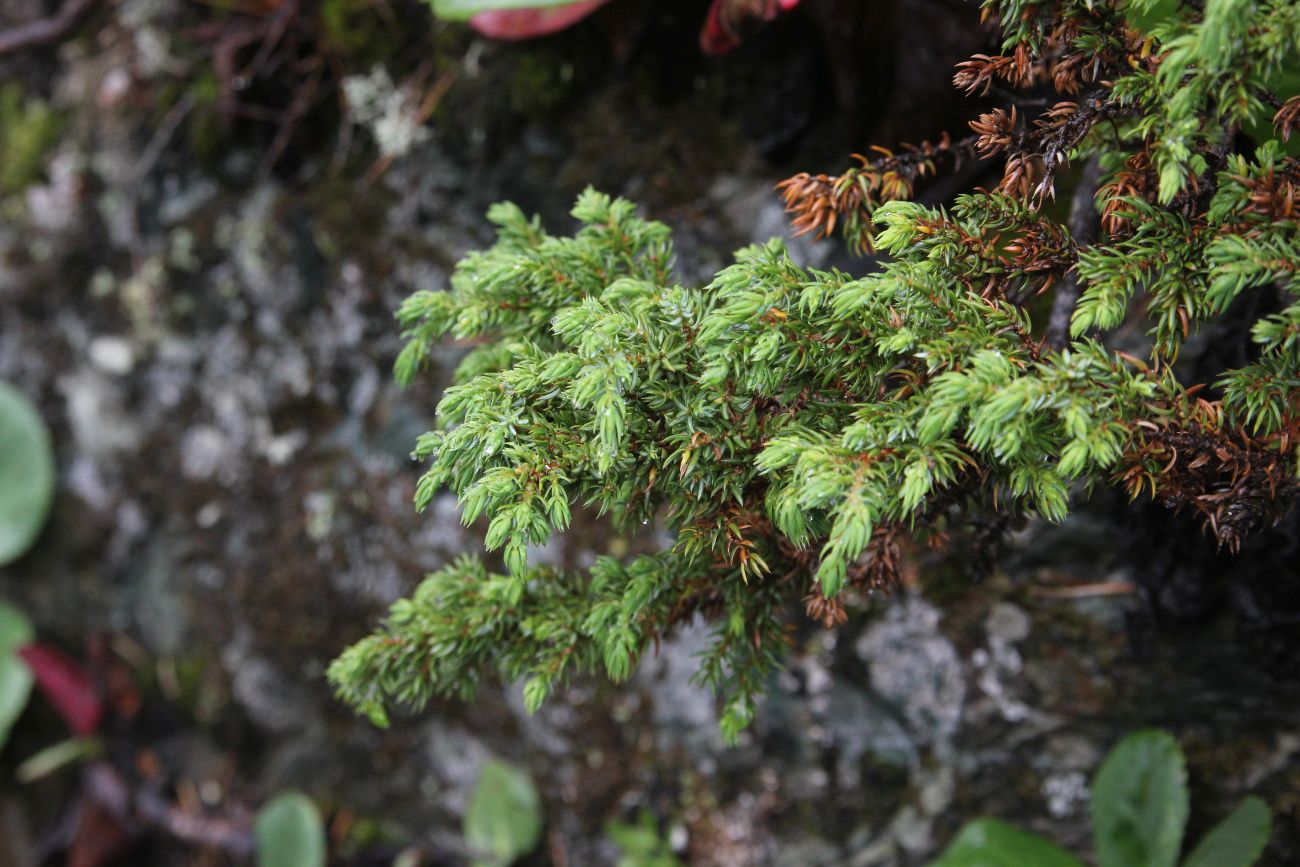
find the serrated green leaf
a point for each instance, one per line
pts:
(990, 843)
(1139, 802)
(1238, 840)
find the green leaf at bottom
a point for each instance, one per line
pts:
(1238, 840)
(504, 819)
(290, 833)
(1139, 802)
(990, 843)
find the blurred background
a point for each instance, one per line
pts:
(209, 210)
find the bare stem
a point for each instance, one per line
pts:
(45, 31)
(1084, 223)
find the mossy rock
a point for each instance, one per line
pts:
(29, 129)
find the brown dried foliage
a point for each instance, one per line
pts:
(1042, 247)
(1287, 118)
(1068, 71)
(1187, 457)
(1273, 196)
(996, 131)
(819, 203)
(829, 612)
(1235, 483)
(1035, 152)
(1136, 180)
(1031, 253)
(1036, 155)
(976, 76)
(879, 568)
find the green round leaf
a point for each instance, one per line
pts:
(1139, 802)
(290, 833)
(504, 819)
(15, 690)
(990, 843)
(15, 676)
(15, 629)
(26, 474)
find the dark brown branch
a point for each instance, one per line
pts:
(107, 788)
(46, 31)
(1267, 97)
(819, 203)
(1084, 223)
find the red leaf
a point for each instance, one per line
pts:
(515, 24)
(727, 19)
(66, 685)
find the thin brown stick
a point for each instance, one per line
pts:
(45, 31)
(1085, 591)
